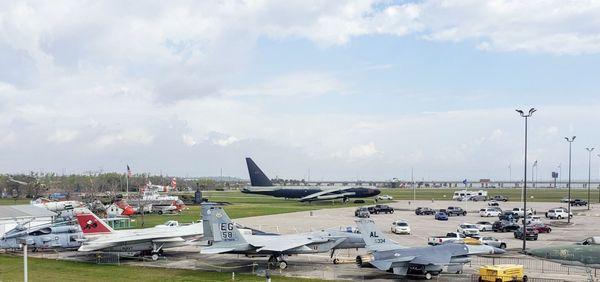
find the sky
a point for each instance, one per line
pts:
(326, 90)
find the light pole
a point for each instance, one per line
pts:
(589, 175)
(569, 183)
(526, 116)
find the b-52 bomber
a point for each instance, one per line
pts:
(260, 184)
(46, 236)
(416, 261)
(224, 237)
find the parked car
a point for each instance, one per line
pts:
(359, 201)
(565, 200)
(450, 237)
(493, 242)
(456, 211)
(520, 212)
(493, 203)
(385, 197)
(508, 215)
(477, 198)
(504, 226)
(400, 227)
(441, 215)
(468, 229)
(534, 219)
(362, 212)
(377, 209)
(540, 227)
(558, 213)
(579, 202)
(484, 226)
(530, 233)
(500, 198)
(488, 212)
(424, 211)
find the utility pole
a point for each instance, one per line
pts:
(524, 194)
(569, 183)
(589, 176)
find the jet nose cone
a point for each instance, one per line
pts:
(375, 192)
(498, 251)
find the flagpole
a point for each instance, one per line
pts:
(127, 183)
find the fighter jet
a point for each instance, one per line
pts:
(414, 261)
(224, 237)
(46, 236)
(260, 184)
(584, 254)
(101, 237)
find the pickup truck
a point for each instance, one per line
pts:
(450, 237)
(455, 211)
(376, 209)
(519, 211)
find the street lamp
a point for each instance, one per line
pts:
(589, 175)
(569, 183)
(526, 116)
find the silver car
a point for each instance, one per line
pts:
(492, 242)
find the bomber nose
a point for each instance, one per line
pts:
(498, 251)
(375, 192)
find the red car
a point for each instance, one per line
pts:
(541, 228)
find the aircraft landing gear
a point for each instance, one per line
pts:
(345, 200)
(428, 276)
(277, 261)
(156, 251)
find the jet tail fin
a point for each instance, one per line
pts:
(257, 177)
(218, 227)
(374, 239)
(91, 224)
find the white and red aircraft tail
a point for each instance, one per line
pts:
(91, 224)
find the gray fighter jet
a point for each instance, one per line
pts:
(416, 261)
(45, 236)
(224, 236)
(584, 254)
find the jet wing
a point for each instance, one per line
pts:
(328, 194)
(437, 259)
(281, 245)
(391, 263)
(112, 241)
(211, 251)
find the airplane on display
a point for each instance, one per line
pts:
(414, 261)
(224, 237)
(46, 236)
(584, 254)
(261, 184)
(101, 237)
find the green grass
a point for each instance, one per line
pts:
(13, 201)
(246, 205)
(11, 269)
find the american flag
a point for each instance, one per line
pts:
(174, 182)
(128, 171)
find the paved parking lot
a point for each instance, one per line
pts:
(321, 266)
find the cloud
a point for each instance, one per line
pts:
(363, 151)
(304, 84)
(63, 136)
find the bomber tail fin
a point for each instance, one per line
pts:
(257, 177)
(91, 224)
(374, 239)
(218, 227)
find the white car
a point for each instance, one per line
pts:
(385, 197)
(558, 213)
(400, 227)
(484, 226)
(520, 213)
(468, 229)
(487, 212)
(535, 219)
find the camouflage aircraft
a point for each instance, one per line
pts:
(224, 237)
(585, 253)
(423, 262)
(45, 236)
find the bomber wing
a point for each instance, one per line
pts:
(328, 194)
(112, 241)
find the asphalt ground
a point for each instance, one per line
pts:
(585, 224)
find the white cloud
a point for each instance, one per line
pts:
(363, 151)
(133, 136)
(63, 136)
(225, 141)
(304, 84)
(188, 140)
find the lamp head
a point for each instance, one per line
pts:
(532, 110)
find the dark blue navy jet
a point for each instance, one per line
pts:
(261, 184)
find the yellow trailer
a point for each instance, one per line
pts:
(502, 273)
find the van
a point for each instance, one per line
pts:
(487, 212)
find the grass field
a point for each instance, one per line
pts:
(11, 269)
